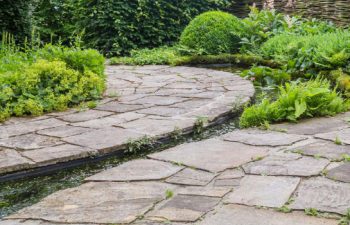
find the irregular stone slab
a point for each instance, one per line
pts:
(31, 222)
(191, 177)
(211, 155)
(64, 131)
(145, 222)
(322, 194)
(56, 154)
(164, 111)
(158, 126)
(343, 136)
(109, 121)
(229, 178)
(312, 126)
(137, 170)
(231, 174)
(242, 215)
(29, 141)
(218, 192)
(264, 191)
(285, 164)
(263, 138)
(185, 208)
(119, 107)
(159, 100)
(102, 202)
(28, 127)
(84, 116)
(341, 173)
(11, 160)
(325, 149)
(104, 140)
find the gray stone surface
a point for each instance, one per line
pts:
(266, 191)
(184, 208)
(105, 139)
(312, 126)
(34, 222)
(325, 149)
(84, 116)
(64, 131)
(29, 141)
(242, 215)
(154, 126)
(322, 194)
(191, 177)
(117, 203)
(11, 160)
(340, 173)
(28, 127)
(109, 121)
(218, 192)
(287, 165)
(211, 155)
(137, 170)
(263, 138)
(56, 154)
(229, 178)
(343, 136)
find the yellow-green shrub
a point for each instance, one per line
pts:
(45, 86)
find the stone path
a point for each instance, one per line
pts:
(150, 101)
(246, 177)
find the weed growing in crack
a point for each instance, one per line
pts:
(311, 212)
(176, 134)
(346, 219)
(338, 141)
(346, 157)
(200, 124)
(285, 208)
(169, 194)
(134, 146)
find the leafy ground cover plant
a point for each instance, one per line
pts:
(295, 101)
(266, 76)
(34, 81)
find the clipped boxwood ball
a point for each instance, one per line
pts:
(212, 33)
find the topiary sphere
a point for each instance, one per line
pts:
(212, 33)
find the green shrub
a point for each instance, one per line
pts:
(295, 101)
(158, 56)
(45, 86)
(262, 25)
(212, 33)
(266, 76)
(312, 52)
(75, 58)
(47, 79)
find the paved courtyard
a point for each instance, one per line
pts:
(245, 177)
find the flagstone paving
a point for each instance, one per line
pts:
(245, 177)
(227, 180)
(151, 101)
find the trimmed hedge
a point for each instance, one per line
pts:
(212, 33)
(115, 27)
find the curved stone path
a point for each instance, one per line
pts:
(245, 177)
(149, 100)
